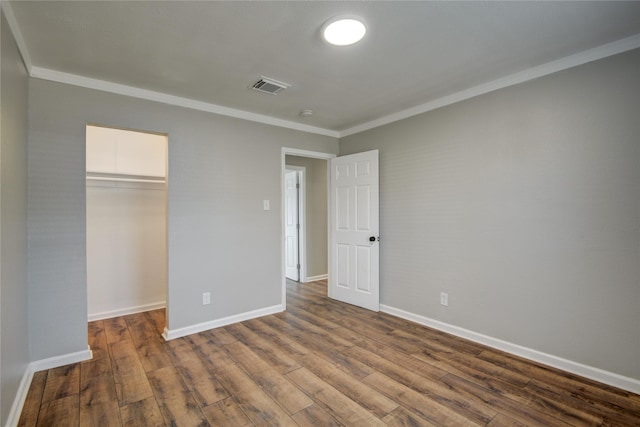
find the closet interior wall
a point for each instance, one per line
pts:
(126, 222)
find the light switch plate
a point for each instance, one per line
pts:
(444, 299)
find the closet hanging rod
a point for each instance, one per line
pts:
(107, 178)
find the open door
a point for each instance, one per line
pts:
(354, 230)
(292, 225)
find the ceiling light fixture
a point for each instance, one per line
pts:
(343, 30)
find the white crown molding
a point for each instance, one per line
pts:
(17, 34)
(170, 334)
(574, 60)
(603, 51)
(596, 374)
(149, 95)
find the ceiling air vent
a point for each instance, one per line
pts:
(267, 85)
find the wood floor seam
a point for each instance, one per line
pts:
(320, 363)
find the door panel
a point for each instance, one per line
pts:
(354, 272)
(363, 212)
(342, 209)
(363, 272)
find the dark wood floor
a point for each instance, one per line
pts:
(321, 363)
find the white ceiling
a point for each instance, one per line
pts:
(414, 53)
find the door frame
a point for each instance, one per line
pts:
(152, 306)
(300, 153)
(302, 220)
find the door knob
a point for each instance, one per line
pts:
(372, 239)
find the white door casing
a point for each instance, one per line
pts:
(354, 230)
(292, 254)
(285, 151)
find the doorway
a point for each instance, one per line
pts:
(311, 169)
(126, 213)
(353, 229)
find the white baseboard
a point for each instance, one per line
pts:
(606, 377)
(21, 397)
(57, 361)
(125, 311)
(27, 377)
(314, 278)
(170, 334)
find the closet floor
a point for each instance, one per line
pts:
(320, 363)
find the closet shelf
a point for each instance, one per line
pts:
(159, 180)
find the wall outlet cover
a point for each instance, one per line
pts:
(444, 299)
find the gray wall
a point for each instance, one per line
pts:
(14, 355)
(316, 243)
(220, 240)
(522, 204)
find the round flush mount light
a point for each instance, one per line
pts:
(343, 30)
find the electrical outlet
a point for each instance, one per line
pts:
(444, 299)
(206, 298)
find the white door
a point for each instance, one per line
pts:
(354, 228)
(292, 253)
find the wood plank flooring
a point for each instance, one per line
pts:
(322, 363)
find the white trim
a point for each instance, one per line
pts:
(135, 180)
(17, 35)
(65, 359)
(314, 278)
(170, 334)
(128, 310)
(574, 60)
(596, 374)
(27, 377)
(301, 153)
(307, 153)
(301, 173)
(589, 55)
(330, 271)
(21, 397)
(106, 86)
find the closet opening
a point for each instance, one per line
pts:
(126, 213)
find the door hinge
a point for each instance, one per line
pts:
(298, 266)
(297, 185)
(298, 226)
